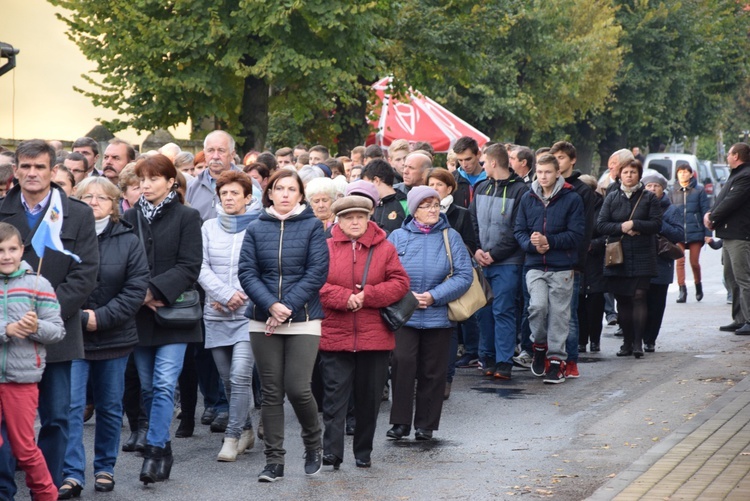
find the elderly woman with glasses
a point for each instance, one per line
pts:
(108, 322)
(422, 344)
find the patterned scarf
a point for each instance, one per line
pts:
(629, 191)
(424, 228)
(149, 211)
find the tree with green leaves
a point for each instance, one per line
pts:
(162, 63)
(509, 67)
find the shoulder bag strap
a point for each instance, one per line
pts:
(367, 266)
(448, 250)
(636, 204)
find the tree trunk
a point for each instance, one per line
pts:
(353, 121)
(523, 136)
(253, 115)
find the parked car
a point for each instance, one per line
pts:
(721, 174)
(708, 179)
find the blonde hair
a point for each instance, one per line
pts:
(109, 189)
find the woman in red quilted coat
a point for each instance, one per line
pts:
(355, 342)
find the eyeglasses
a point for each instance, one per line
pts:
(429, 207)
(99, 198)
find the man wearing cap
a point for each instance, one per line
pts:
(355, 343)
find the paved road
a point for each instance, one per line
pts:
(498, 439)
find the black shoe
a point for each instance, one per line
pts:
(611, 319)
(539, 361)
(619, 332)
(69, 489)
(140, 443)
(488, 366)
(186, 428)
(503, 371)
(624, 351)
(467, 360)
(152, 456)
(331, 460)
(650, 348)
(582, 348)
(349, 429)
(165, 465)
(682, 297)
(731, 327)
(271, 473)
(698, 291)
(398, 431)
(208, 416)
(638, 350)
(743, 331)
(422, 435)
(129, 444)
(556, 372)
(595, 347)
(220, 422)
(313, 461)
(361, 463)
(88, 412)
(105, 482)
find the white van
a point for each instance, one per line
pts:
(666, 164)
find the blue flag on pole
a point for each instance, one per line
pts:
(48, 232)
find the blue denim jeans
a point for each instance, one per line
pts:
(470, 334)
(108, 381)
(571, 345)
(158, 368)
(235, 366)
(498, 321)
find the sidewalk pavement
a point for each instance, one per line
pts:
(707, 458)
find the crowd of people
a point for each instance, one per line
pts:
(262, 278)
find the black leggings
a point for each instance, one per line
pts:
(632, 312)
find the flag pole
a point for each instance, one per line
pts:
(36, 282)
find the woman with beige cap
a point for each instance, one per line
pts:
(365, 275)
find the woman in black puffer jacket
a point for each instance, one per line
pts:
(629, 281)
(283, 265)
(109, 335)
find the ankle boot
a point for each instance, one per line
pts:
(698, 291)
(129, 444)
(165, 465)
(140, 442)
(152, 457)
(228, 453)
(682, 298)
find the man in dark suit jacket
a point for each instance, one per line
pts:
(24, 207)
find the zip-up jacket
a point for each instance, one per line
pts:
(493, 212)
(671, 229)
(391, 211)
(691, 202)
(387, 282)
(464, 193)
(560, 220)
(588, 197)
(121, 287)
(639, 252)
(284, 262)
(730, 214)
(23, 360)
(425, 259)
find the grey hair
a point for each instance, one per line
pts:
(623, 156)
(319, 185)
(225, 134)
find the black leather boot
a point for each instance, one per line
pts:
(698, 291)
(165, 466)
(140, 443)
(129, 444)
(152, 457)
(682, 298)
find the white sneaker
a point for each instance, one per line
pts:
(523, 360)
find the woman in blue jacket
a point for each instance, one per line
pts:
(283, 265)
(691, 202)
(422, 344)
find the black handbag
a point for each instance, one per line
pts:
(667, 249)
(186, 310)
(184, 313)
(397, 314)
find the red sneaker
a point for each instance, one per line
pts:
(571, 370)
